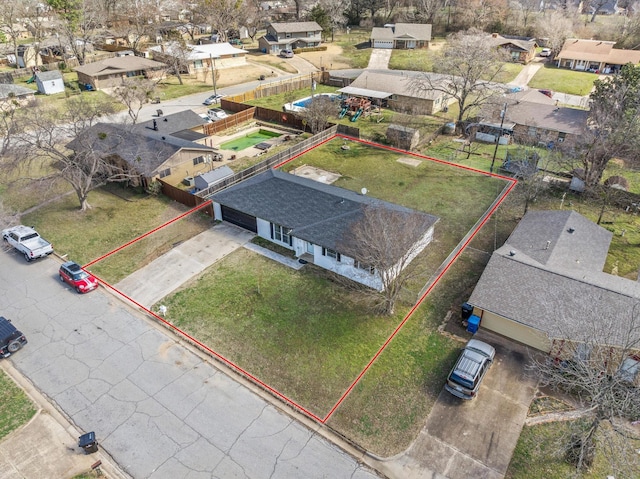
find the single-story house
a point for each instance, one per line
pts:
(50, 82)
(146, 153)
(394, 90)
(534, 118)
(521, 49)
(291, 35)
(210, 178)
(310, 218)
(110, 72)
(401, 36)
(202, 57)
(595, 56)
(11, 92)
(15, 31)
(546, 286)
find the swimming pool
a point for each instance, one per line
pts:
(249, 140)
(304, 103)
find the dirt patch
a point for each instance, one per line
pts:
(316, 174)
(331, 58)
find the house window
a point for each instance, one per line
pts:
(329, 253)
(164, 173)
(311, 34)
(280, 233)
(561, 136)
(364, 266)
(287, 35)
(198, 160)
(533, 131)
(198, 64)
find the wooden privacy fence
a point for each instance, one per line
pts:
(269, 162)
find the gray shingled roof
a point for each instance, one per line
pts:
(167, 125)
(296, 27)
(49, 75)
(315, 212)
(403, 31)
(548, 117)
(114, 65)
(523, 44)
(560, 290)
(9, 89)
(396, 83)
(142, 152)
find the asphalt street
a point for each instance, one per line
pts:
(159, 409)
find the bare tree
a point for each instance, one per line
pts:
(613, 126)
(386, 241)
(44, 134)
(468, 68)
(336, 11)
(317, 114)
(527, 8)
(176, 55)
(223, 15)
(10, 21)
(134, 93)
(555, 27)
(253, 17)
(595, 365)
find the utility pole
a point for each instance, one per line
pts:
(212, 62)
(503, 113)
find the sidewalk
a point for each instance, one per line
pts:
(47, 446)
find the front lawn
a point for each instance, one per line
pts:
(15, 407)
(110, 223)
(563, 81)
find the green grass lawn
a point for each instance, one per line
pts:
(307, 337)
(564, 81)
(15, 407)
(538, 455)
(104, 228)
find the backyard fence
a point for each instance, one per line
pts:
(268, 163)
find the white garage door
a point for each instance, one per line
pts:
(382, 44)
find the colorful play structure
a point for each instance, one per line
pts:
(355, 107)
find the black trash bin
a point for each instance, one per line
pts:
(88, 442)
(467, 311)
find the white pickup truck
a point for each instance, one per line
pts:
(27, 241)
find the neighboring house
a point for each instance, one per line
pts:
(50, 83)
(394, 90)
(28, 57)
(595, 56)
(210, 178)
(17, 31)
(11, 92)
(534, 118)
(288, 36)
(308, 217)
(546, 286)
(521, 49)
(147, 150)
(401, 36)
(110, 72)
(201, 57)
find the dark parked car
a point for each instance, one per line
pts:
(474, 362)
(72, 274)
(11, 340)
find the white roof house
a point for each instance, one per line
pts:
(224, 55)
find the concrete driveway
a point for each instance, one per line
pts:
(158, 408)
(474, 439)
(167, 273)
(379, 59)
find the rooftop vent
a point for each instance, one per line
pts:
(571, 230)
(512, 253)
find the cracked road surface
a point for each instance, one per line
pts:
(157, 408)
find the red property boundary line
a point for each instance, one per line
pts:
(250, 376)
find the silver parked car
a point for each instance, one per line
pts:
(474, 362)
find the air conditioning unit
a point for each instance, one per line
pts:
(189, 181)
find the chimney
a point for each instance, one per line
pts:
(155, 125)
(548, 244)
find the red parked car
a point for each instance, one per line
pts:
(78, 278)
